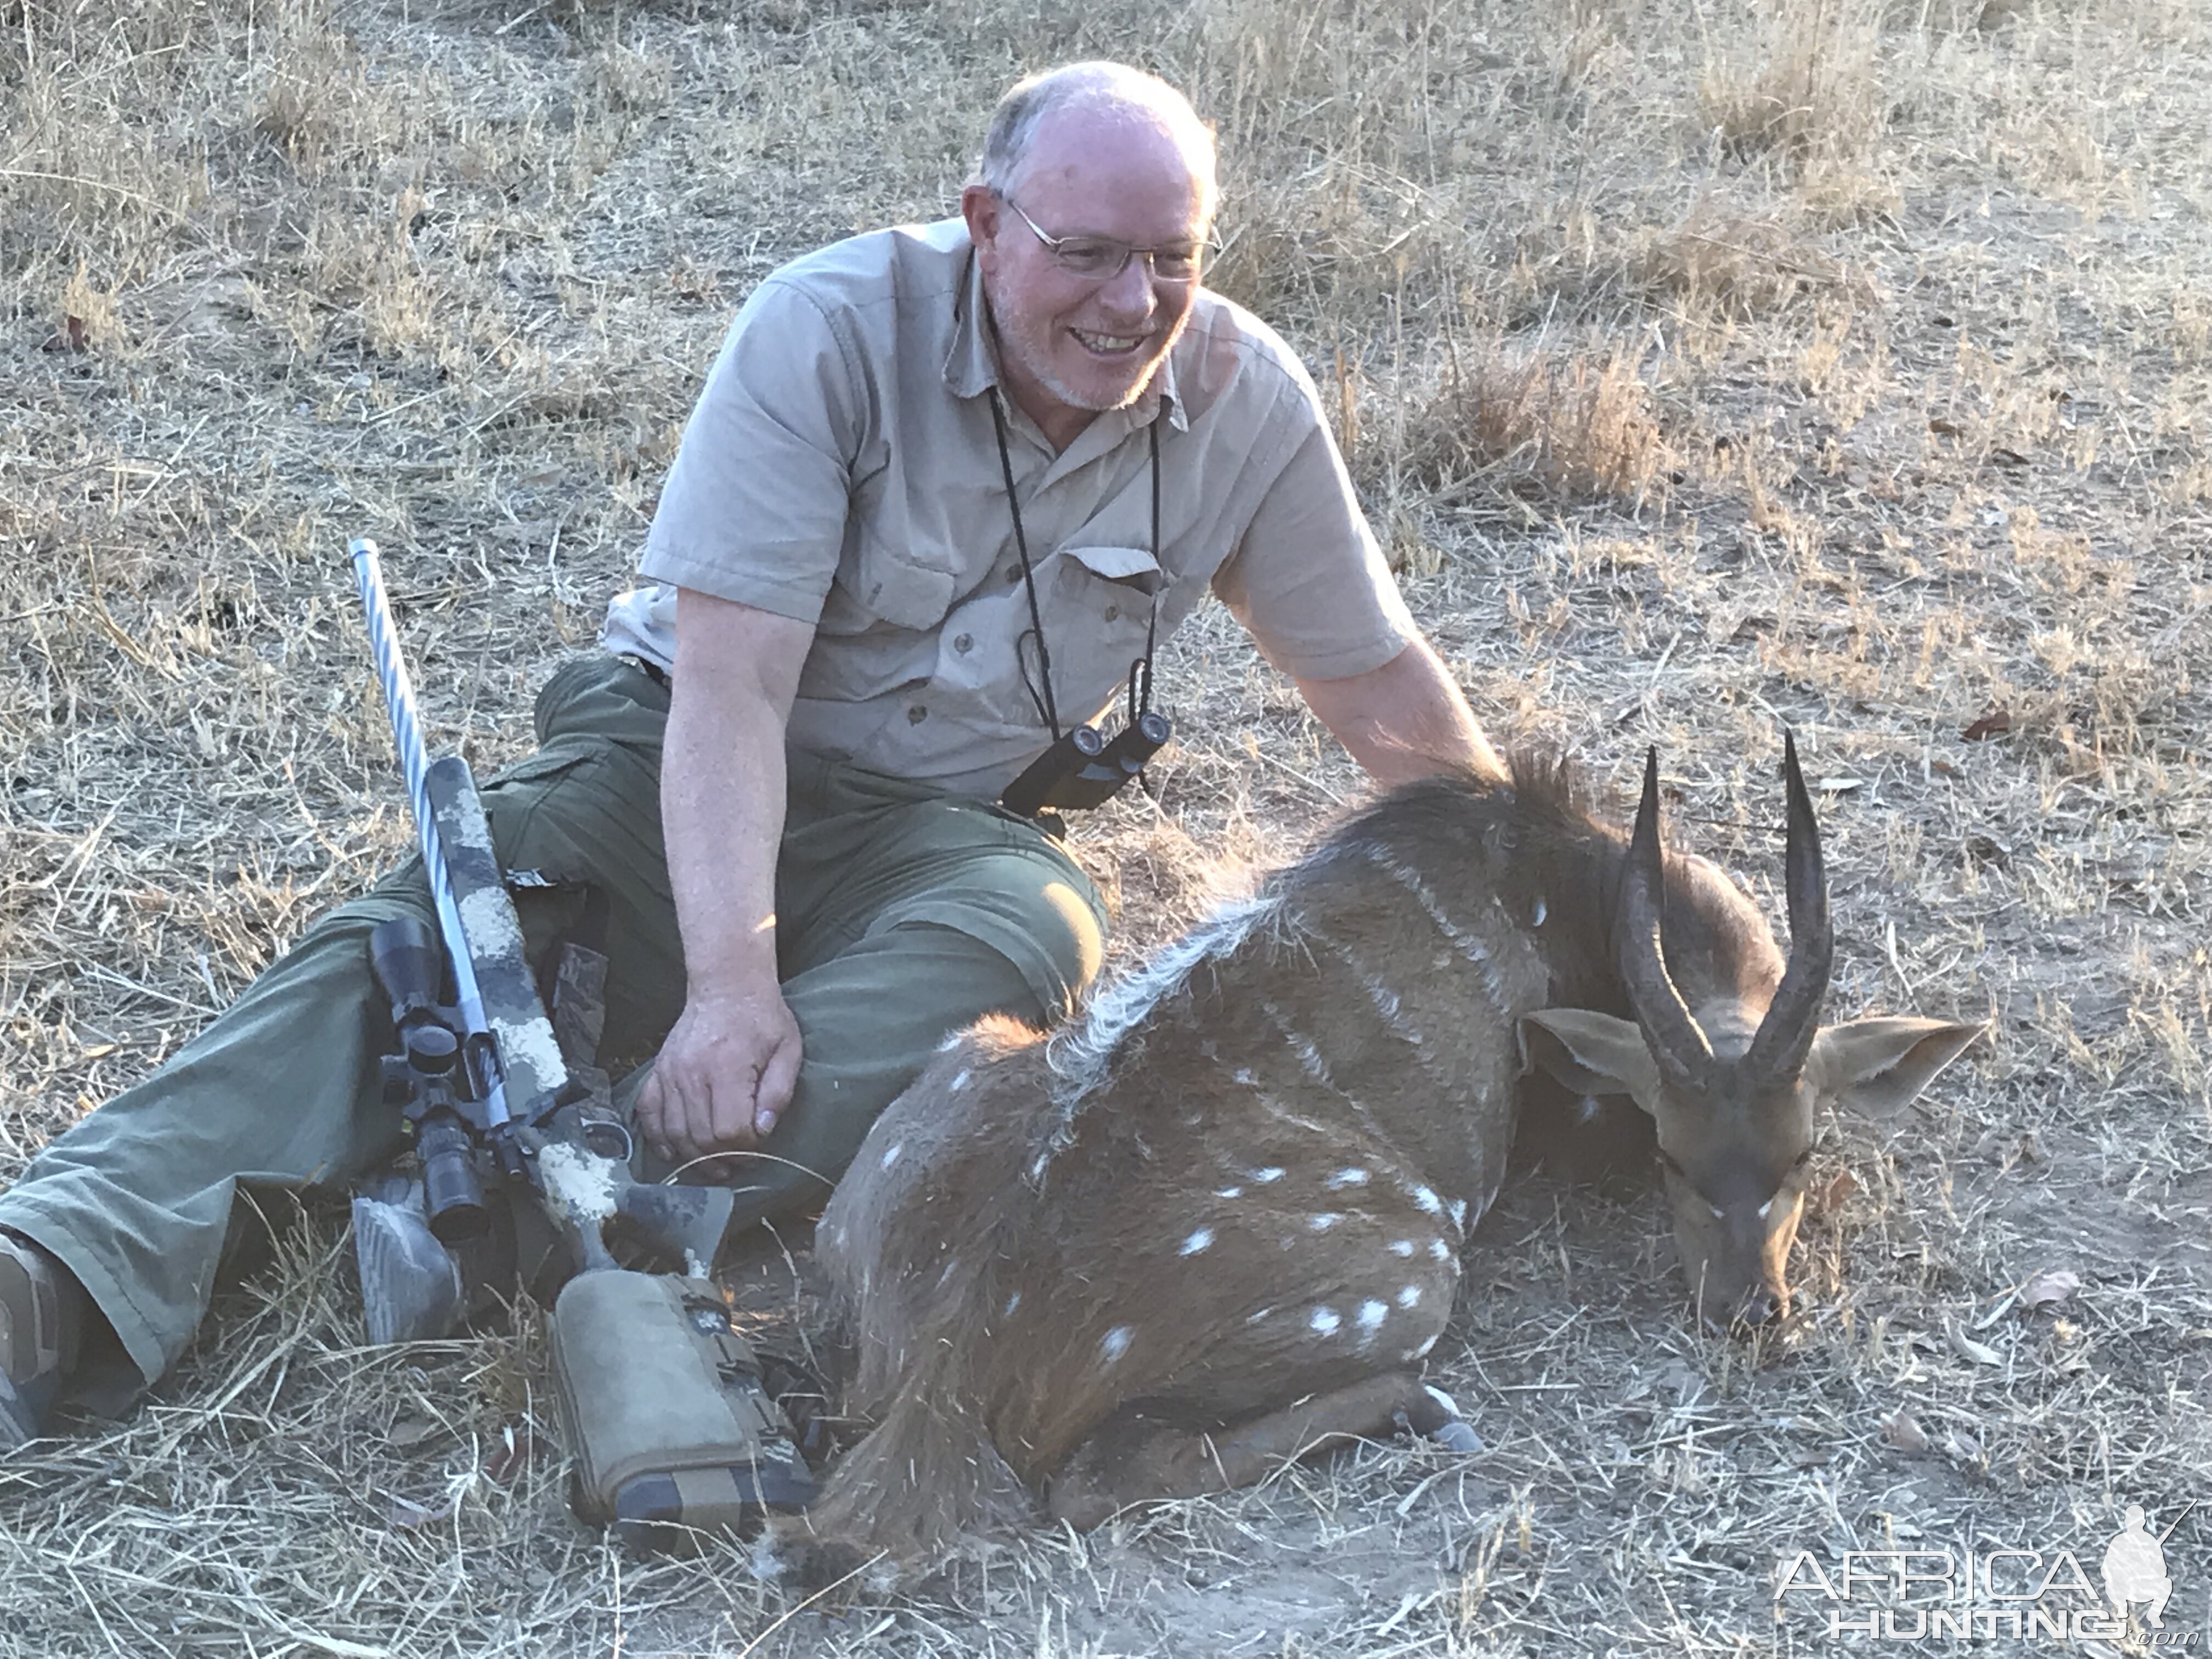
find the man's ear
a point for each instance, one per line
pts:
(1590, 1053)
(1875, 1066)
(979, 206)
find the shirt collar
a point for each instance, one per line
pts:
(971, 368)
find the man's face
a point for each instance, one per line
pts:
(1072, 345)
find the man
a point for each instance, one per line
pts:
(944, 488)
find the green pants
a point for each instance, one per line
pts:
(902, 914)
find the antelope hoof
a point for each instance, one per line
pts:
(1435, 1415)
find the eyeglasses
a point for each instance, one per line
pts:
(1101, 259)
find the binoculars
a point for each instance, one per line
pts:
(1085, 767)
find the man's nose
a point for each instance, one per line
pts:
(1128, 293)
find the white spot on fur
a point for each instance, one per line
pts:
(1037, 1169)
(1273, 1172)
(1243, 1075)
(1537, 920)
(1443, 1399)
(1439, 1250)
(1401, 1247)
(1718, 1214)
(1255, 1317)
(1116, 1343)
(1765, 1207)
(1354, 1177)
(1322, 1220)
(1586, 1109)
(1427, 1198)
(1371, 1316)
(1202, 1238)
(891, 1152)
(1229, 1192)
(1410, 1296)
(1012, 1303)
(959, 1080)
(949, 1044)
(1324, 1320)
(1459, 1214)
(1421, 1350)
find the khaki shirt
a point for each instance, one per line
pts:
(841, 469)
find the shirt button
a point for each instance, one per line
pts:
(1112, 611)
(964, 644)
(916, 715)
(1014, 572)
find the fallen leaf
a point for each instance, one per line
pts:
(2047, 1290)
(1995, 723)
(1833, 1195)
(100, 1050)
(70, 337)
(411, 1516)
(510, 1457)
(1941, 426)
(1965, 1348)
(1898, 1429)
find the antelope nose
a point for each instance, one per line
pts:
(1760, 1307)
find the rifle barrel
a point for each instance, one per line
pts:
(415, 765)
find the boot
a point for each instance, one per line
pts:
(42, 1322)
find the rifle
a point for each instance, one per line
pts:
(663, 1395)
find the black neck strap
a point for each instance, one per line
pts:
(1140, 672)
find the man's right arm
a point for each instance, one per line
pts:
(728, 1066)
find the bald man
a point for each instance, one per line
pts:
(946, 489)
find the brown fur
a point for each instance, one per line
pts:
(1242, 1177)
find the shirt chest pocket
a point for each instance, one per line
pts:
(886, 584)
(1098, 604)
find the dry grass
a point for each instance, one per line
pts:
(1814, 360)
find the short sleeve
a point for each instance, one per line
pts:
(753, 510)
(1306, 578)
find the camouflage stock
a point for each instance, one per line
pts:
(529, 1058)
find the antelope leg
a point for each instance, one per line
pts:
(1134, 1458)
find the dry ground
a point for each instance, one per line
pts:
(1708, 368)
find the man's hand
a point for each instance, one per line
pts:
(723, 1077)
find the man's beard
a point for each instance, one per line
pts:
(1034, 356)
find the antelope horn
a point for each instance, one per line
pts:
(1676, 1043)
(1793, 1018)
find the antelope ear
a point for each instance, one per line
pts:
(1590, 1053)
(1875, 1066)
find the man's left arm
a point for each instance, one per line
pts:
(1403, 721)
(1310, 584)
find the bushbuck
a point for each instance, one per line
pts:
(1216, 1220)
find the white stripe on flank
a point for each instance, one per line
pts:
(1467, 943)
